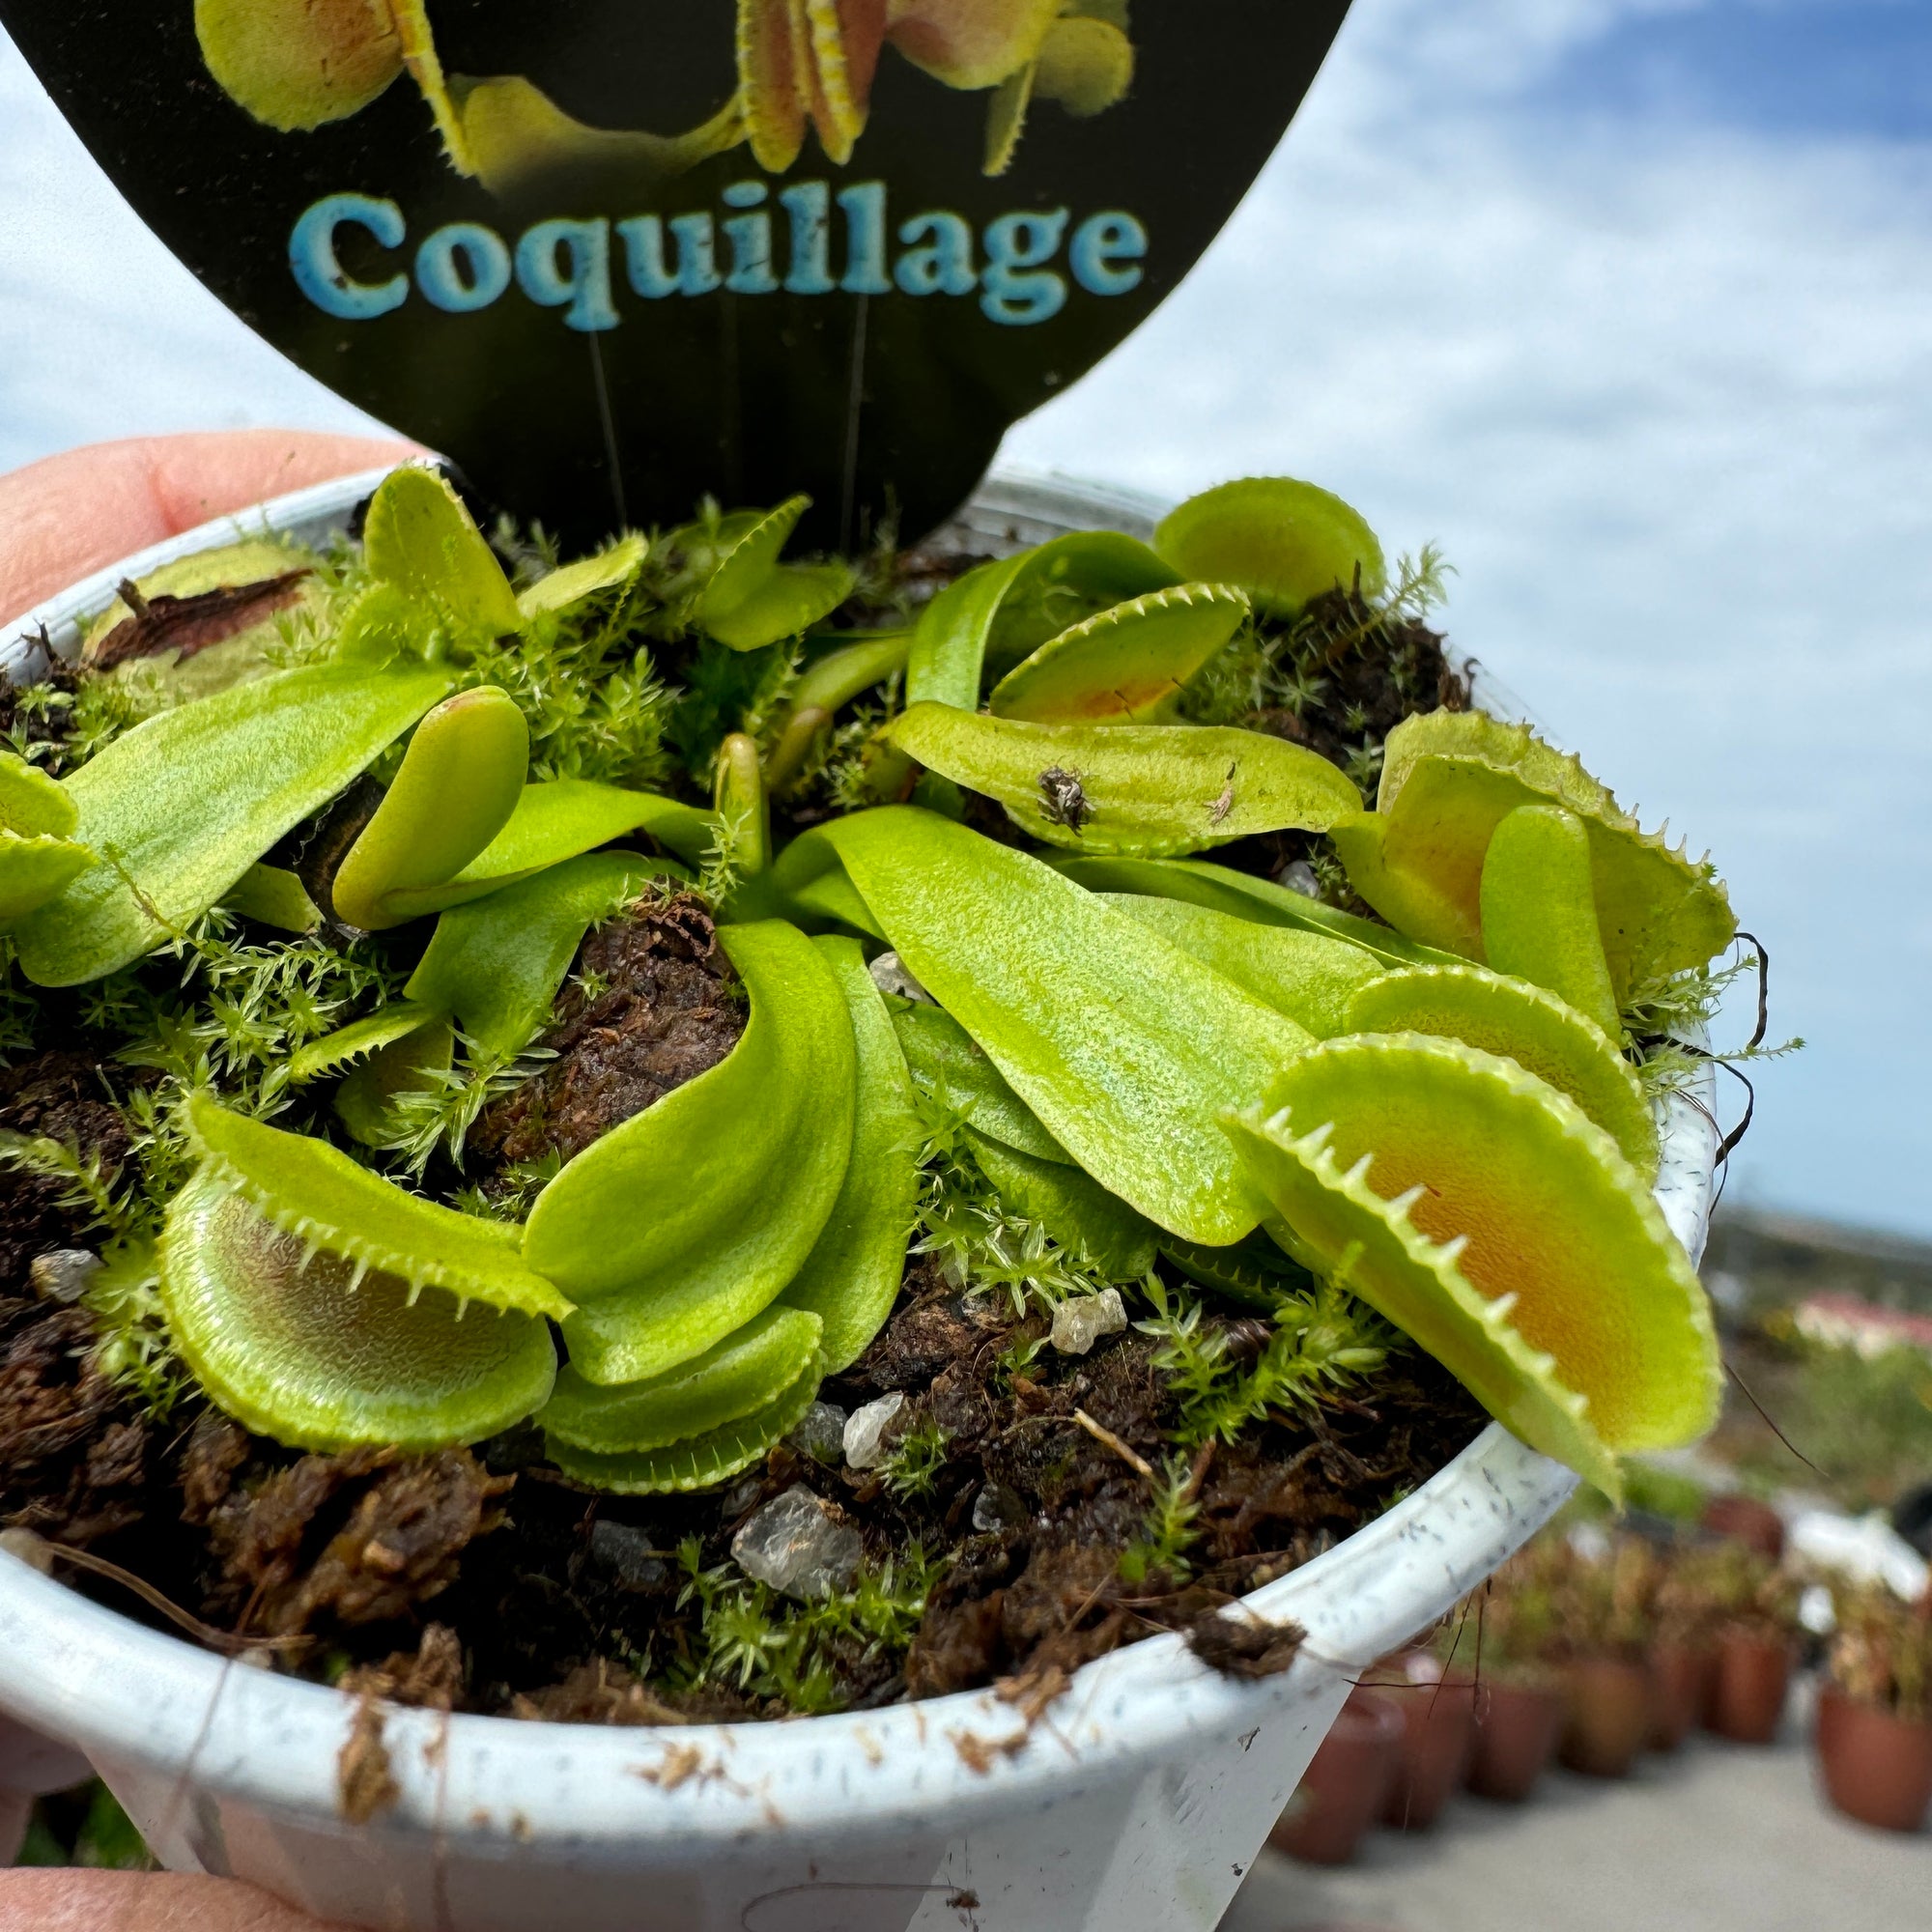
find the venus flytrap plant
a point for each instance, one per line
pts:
(1141, 1068)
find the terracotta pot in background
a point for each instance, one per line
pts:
(1517, 1729)
(1609, 1717)
(1439, 1717)
(1683, 1679)
(1748, 1521)
(1875, 1766)
(1341, 1792)
(1748, 1692)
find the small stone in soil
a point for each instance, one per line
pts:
(1298, 876)
(798, 1546)
(63, 1274)
(1081, 1320)
(627, 1554)
(997, 1508)
(891, 976)
(820, 1432)
(864, 1441)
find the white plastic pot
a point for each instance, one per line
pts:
(1135, 1804)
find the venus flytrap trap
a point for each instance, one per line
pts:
(494, 979)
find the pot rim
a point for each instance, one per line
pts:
(126, 1693)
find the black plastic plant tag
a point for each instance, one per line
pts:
(611, 254)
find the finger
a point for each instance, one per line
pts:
(70, 514)
(98, 1901)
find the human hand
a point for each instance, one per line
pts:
(99, 1901)
(70, 514)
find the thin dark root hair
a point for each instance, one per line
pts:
(1744, 1389)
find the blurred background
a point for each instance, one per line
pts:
(1627, 305)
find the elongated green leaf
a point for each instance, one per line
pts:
(460, 780)
(747, 1371)
(1127, 665)
(274, 895)
(497, 965)
(316, 1193)
(741, 808)
(831, 895)
(612, 569)
(948, 645)
(1480, 1211)
(1124, 1046)
(851, 1278)
(1284, 541)
(1308, 976)
(698, 1463)
(186, 803)
(952, 1066)
(360, 1038)
(316, 1355)
(418, 537)
(1523, 1023)
(1539, 911)
(1198, 882)
(1072, 1207)
(687, 1220)
(1137, 788)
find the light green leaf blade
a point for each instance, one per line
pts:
(851, 1278)
(418, 537)
(1127, 665)
(189, 801)
(274, 895)
(1243, 896)
(37, 868)
(1144, 789)
(749, 1370)
(1308, 976)
(1124, 1046)
(1282, 540)
(307, 1355)
(688, 1218)
(698, 1463)
(792, 599)
(32, 804)
(497, 965)
(1539, 911)
(316, 1193)
(1059, 585)
(614, 568)
(461, 777)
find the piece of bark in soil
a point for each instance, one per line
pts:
(399, 1547)
(74, 1454)
(1245, 1647)
(62, 1096)
(602, 1692)
(429, 1677)
(364, 1782)
(671, 1009)
(216, 1451)
(189, 625)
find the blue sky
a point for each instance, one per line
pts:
(1627, 303)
